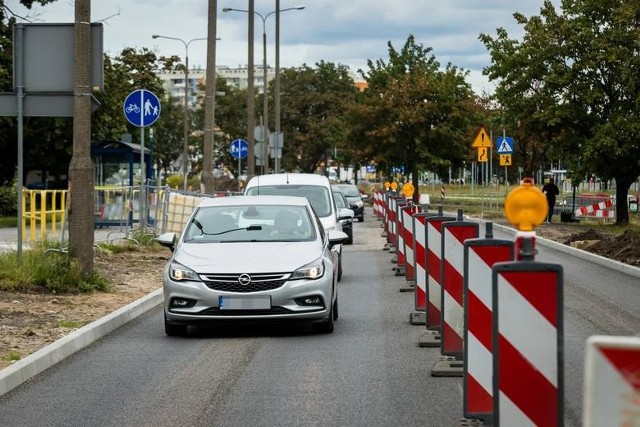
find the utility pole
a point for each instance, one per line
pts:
(251, 120)
(209, 103)
(81, 178)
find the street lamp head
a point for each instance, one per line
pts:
(155, 36)
(226, 9)
(299, 7)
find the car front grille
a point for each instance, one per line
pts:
(259, 282)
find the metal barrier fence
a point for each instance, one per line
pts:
(165, 209)
(42, 210)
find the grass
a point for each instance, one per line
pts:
(70, 324)
(46, 268)
(11, 356)
(8, 222)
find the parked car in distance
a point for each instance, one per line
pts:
(354, 198)
(248, 258)
(316, 188)
(347, 223)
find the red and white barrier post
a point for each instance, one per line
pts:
(612, 381)
(419, 316)
(454, 235)
(400, 246)
(409, 242)
(528, 362)
(480, 255)
(434, 286)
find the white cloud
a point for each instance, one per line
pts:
(341, 31)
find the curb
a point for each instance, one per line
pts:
(25, 369)
(580, 253)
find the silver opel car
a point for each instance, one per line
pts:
(251, 258)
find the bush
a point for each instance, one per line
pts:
(8, 201)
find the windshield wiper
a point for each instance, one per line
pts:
(249, 228)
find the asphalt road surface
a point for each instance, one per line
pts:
(369, 372)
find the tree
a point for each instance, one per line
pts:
(574, 79)
(315, 102)
(416, 114)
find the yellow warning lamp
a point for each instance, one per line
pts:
(387, 184)
(394, 186)
(525, 206)
(408, 189)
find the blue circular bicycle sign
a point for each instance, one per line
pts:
(239, 148)
(141, 108)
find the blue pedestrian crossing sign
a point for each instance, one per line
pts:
(141, 108)
(504, 144)
(239, 148)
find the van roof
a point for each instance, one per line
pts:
(288, 178)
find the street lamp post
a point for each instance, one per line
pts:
(185, 144)
(265, 128)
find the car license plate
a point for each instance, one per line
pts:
(254, 302)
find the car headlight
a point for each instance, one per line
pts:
(359, 204)
(179, 272)
(313, 270)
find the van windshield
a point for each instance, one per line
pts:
(318, 196)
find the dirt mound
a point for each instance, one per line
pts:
(624, 248)
(590, 234)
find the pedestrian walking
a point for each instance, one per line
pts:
(550, 190)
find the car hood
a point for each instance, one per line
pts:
(242, 257)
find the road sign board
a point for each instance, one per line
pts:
(239, 148)
(504, 144)
(483, 154)
(505, 159)
(141, 108)
(482, 139)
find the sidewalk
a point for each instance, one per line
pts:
(9, 236)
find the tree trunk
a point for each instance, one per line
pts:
(622, 207)
(81, 173)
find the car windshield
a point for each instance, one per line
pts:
(339, 199)
(250, 223)
(318, 196)
(349, 190)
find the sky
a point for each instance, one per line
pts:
(347, 32)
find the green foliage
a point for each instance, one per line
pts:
(175, 181)
(571, 86)
(9, 221)
(8, 201)
(51, 270)
(315, 113)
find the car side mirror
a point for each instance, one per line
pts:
(344, 213)
(167, 240)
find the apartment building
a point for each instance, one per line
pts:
(174, 82)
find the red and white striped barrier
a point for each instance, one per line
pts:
(454, 234)
(480, 255)
(597, 210)
(409, 239)
(528, 345)
(377, 204)
(434, 260)
(612, 381)
(420, 268)
(401, 204)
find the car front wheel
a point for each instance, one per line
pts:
(173, 330)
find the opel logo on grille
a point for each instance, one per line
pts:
(244, 279)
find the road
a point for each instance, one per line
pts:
(370, 371)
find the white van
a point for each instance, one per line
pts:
(316, 188)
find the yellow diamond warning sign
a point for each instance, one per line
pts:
(482, 139)
(505, 159)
